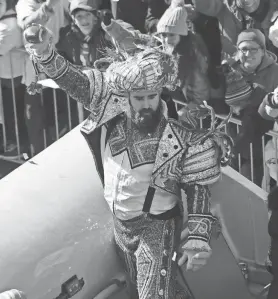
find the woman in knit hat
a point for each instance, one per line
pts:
(193, 60)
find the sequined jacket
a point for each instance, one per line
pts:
(184, 159)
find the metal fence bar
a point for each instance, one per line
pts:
(44, 129)
(239, 156)
(69, 112)
(15, 112)
(80, 110)
(251, 162)
(265, 179)
(3, 118)
(56, 114)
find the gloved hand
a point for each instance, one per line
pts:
(38, 41)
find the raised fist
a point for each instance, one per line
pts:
(38, 40)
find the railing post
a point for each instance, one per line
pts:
(15, 110)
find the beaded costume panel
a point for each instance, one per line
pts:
(141, 148)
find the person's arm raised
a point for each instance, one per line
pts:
(79, 84)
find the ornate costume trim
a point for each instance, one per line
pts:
(55, 66)
(200, 226)
(141, 149)
(172, 143)
(201, 164)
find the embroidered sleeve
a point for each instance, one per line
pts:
(201, 164)
(200, 219)
(82, 85)
(200, 168)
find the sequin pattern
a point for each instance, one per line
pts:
(148, 247)
(198, 205)
(141, 148)
(201, 164)
(200, 226)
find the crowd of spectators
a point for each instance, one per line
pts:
(227, 53)
(227, 57)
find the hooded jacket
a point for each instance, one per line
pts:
(69, 44)
(253, 126)
(266, 74)
(233, 20)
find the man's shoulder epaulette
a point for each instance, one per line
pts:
(194, 135)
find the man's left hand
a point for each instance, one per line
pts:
(195, 260)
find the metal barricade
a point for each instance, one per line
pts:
(20, 154)
(78, 111)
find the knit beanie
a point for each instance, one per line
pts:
(174, 19)
(249, 6)
(253, 35)
(238, 90)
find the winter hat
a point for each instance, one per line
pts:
(248, 5)
(88, 5)
(254, 35)
(237, 89)
(174, 19)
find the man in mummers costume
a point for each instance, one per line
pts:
(144, 159)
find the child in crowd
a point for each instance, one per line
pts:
(81, 41)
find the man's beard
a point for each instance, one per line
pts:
(147, 119)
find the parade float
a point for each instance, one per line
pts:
(57, 233)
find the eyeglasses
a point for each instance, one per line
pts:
(250, 50)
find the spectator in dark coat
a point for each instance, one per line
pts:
(193, 57)
(244, 98)
(81, 41)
